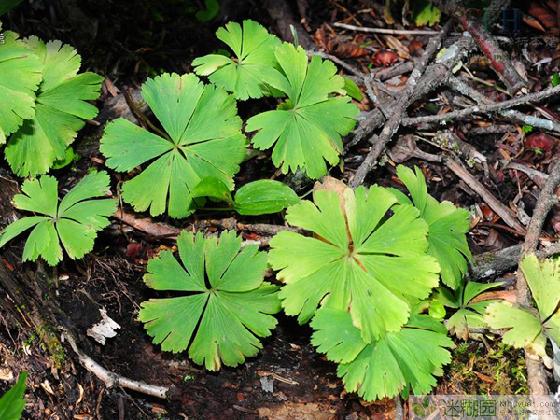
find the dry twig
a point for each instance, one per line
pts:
(510, 114)
(501, 210)
(385, 31)
(111, 379)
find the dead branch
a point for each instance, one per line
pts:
(111, 379)
(501, 210)
(163, 230)
(435, 75)
(147, 225)
(485, 109)
(393, 123)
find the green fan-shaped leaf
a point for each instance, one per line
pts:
(228, 307)
(20, 74)
(307, 129)
(60, 110)
(359, 260)
(448, 226)
(13, 402)
(411, 357)
(248, 74)
(74, 222)
(205, 140)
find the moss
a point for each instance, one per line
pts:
(478, 369)
(51, 344)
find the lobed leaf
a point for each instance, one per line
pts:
(447, 227)
(307, 129)
(351, 263)
(20, 75)
(229, 307)
(60, 111)
(411, 357)
(250, 73)
(72, 224)
(204, 141)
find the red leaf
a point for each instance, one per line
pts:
(540, 141)
(384, 58)
(416, 47)
(133, 250)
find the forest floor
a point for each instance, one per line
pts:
(486, 161)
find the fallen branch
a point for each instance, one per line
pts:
(435, 75)
(536, 377)
(501, 210)
(393, 123)
(163, 230)
(147, 225)
(111, 379)
(484, 109)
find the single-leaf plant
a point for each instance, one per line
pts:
(74, 221)
(225, 304)
(264, 196)
(202, 139)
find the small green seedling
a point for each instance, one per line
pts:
(469, 314)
